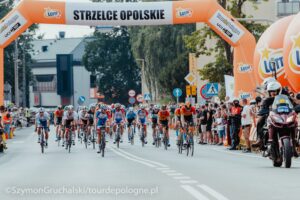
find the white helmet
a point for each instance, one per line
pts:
(71, 107)
(41, 109)
(142, 106)
(156, 107)
(267, 81)
(274, 86)
(131, 109)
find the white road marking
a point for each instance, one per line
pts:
(181, 177)
(142, 159)
(188, 181)
(164, 168)
(212, 192)
(132, 159)
(175, 174)
(195, 193)
(18, 142)
(168, 171)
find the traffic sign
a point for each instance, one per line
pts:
(177, 92)
(203, 93)
(131, 100)
(212, 89)
(140, 98)
(131, 93)
(191, 90)
(81, 100)
(147, 97)
(190, 78)
(188, 90)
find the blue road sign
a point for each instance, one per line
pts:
(177, 92)
(212, 89)
(81, 100)
(131, 100)
(147, 97)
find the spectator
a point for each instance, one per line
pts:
(247, 113)
(219, 122)
(203, 124)
(235, 120)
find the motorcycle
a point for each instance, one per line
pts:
(282, 124)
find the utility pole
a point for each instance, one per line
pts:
(24, 78)
(16, 74)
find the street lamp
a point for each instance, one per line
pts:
(144, 86)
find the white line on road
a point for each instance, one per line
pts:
(164, 168)
(168, 171)
(181, 177)
(142, 159)
(212, 192)
(188, 181)
(175, 174)
(132, 159)
(195, 193)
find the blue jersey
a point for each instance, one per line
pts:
(101, 118)
(130, 115)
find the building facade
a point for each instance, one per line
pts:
(44, 88)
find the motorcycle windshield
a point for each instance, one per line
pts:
(282, 104)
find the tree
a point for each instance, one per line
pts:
(109, 55)
(223, 52)
(24, 46)
(163, 48)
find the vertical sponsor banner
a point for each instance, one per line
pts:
(1, 76)
(291, 52)
(147, 13)
(229, 86)
(10, 25)
(268, 56)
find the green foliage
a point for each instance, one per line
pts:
(165, 54)
(109, 55)
(198, 41)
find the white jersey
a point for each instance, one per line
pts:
(43, 118)
(83, 116)
(71, 116)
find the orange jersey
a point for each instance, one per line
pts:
(163, 115)
(188, 112)
(59, 113)
(177, 112)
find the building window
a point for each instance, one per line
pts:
(44, 78)
(45, 83)
(288, 7)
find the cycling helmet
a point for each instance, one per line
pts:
(252, 102)
(267, 81)
(142, 106)
(41, 109)
(117, 105)
(59, 106)
(92, 106)
(84, 108)
(130, 109)
(156, 107)
(71, 107)
(274, 86)
(163, 107)
(104, 107)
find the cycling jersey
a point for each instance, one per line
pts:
(91, 116)
(101, 118)
(142, 115)
(70, 117)
(118, 115)
(59, 113)
(163, 115)
(130, 115)
(188, 111)
(42, 120)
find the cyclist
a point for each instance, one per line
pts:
(188, 113)
(154, 119)
(101, 118)
(69, 121)
(83, 120)
(130, 118)
(142, 118)
(42, 120)
(164, 121)
(58, 114)
(118, 118)
(91, 114)
(178, 120)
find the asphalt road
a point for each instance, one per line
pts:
(133, 172)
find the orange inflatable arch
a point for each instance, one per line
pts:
(210, 12)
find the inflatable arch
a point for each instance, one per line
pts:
(269, 48)
(291, 53)
(146, 13)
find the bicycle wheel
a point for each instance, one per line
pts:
(192, 146)
(85, 140)
(165, 141)
(94, 139)
(132, 136)
(103, 144)
(143, 138)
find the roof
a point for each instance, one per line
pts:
(55, 46)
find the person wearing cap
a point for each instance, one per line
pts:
(235, 117)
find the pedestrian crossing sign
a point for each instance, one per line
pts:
(212, 89)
